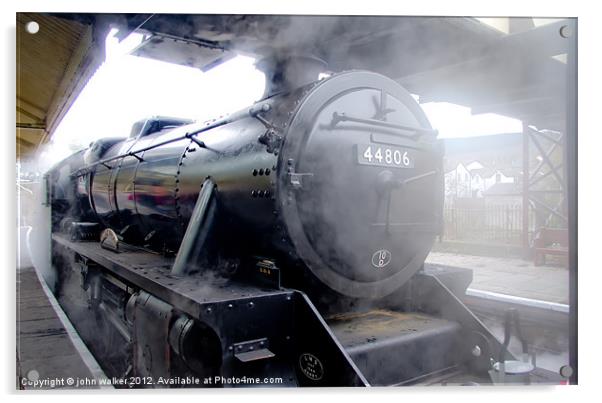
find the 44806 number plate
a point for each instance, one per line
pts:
(384, 156)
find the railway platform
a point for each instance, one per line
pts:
(540, 293)
(50, 354)
(511, 276)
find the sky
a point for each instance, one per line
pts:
(128, 88)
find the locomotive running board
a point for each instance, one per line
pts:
(305, 352)
(295, 343)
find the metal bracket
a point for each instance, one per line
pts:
(135, 155)
(296, 179)
(270, 139)
(252, 350)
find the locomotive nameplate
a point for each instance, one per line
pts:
(384, 156)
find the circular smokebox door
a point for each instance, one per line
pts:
(364, 207)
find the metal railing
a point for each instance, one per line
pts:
(490, 224)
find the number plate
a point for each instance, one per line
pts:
(384, 156)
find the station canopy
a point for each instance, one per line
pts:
(510, 66)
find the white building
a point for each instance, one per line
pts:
(472, 180)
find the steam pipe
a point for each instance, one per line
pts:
(196, 232)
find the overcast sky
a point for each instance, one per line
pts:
(128, 88)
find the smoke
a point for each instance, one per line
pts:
(34, 219)
(402, 48)
(547, 340)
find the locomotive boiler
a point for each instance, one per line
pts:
(285, 241)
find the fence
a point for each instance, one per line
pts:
(492, 224)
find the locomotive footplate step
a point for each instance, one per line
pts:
(392, 348)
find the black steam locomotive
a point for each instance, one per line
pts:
(280, 245)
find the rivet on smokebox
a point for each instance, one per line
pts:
(251, 305)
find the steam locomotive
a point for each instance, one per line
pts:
(283, 242)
